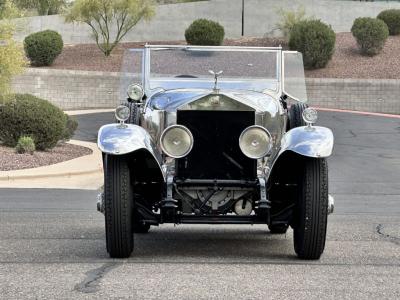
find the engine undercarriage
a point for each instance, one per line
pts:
(216, 200)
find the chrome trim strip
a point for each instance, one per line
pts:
(224, 48)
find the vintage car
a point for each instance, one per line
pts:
(206, 135)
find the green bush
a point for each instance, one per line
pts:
(289, 18)
(205, 33)
(70, 128)
(315, 40)
(25, 144)
(392, 19)
(27, 115)
(43, 47)
(371, 35)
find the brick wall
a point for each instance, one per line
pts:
(70, 89)
(83, 89)
(373, 95)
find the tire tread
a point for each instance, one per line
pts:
(310, 235)
(296, 115)
(118, 208)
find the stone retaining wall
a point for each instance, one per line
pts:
(373, 95)
(70, 89)
(83, 89)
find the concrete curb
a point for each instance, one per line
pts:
(88, 111)
(356, 112)
(84, 165)
(50, 175)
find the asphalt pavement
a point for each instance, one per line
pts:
(52, 241)
(89, 125)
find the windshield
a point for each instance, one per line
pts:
(189, 67)
(243, 68)
(294, 83)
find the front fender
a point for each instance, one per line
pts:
(310, 141)
(119, 139)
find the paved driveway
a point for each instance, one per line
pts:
(52, 241)
(89, 125)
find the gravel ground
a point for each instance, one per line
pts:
(89, 58)
(10, 160)
(347, 62)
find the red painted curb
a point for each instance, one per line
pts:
(366, 113)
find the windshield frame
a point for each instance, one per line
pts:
(147, 61)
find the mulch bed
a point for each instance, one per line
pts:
(10, 160)
(346, 62)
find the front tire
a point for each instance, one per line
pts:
(310, 230)
(134, 117)
(118, 200)
(296, 115)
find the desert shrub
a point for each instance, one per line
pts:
(288, 19)
(391, 17)
(110, 21)
(25, 144)
(27, 115)
(371, 35)
(70, 127)
(205, 32)
(315, 40)
(8, 10)
(43, 47)
(12, 58)
(43, 7)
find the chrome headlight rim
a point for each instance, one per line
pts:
(265, 153)
(130, 94)
(165, 131)
(119, 109)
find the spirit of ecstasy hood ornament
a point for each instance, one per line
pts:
(216, 75)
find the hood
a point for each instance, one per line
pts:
(188, 99)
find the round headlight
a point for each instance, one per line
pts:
(122, 113)
(255, 142)
(176, 141)
(310, 115)
(135, 92)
